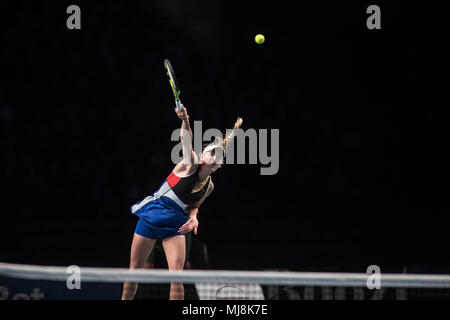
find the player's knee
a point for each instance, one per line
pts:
(177, 264)
(137, 264)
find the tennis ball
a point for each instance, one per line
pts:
(259, 39)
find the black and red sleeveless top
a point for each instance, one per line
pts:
(179, 189)
(182, 187)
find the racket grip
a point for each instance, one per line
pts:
(178, 103)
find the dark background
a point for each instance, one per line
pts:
(86, 117)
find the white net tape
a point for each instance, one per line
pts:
(117, 275)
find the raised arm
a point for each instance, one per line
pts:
(189, 156)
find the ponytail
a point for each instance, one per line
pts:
(230, 136)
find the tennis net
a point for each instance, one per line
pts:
(18, 281)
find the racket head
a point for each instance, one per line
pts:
(172, 79)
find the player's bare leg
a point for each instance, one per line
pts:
(140, 250)
(175, 250)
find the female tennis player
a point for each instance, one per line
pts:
(172, 210)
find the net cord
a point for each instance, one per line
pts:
(117, 275)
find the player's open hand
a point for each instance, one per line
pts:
(183, 115)
(191, 224)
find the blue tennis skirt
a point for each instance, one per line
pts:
(160, 218)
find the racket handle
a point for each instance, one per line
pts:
(178, 103)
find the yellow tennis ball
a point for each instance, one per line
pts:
(259, 39)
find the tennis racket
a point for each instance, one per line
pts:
(173, 83)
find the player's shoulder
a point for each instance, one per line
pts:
(184, 169)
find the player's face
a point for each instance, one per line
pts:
(212, 160)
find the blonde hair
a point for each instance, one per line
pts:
(219, 143)
(230, 136)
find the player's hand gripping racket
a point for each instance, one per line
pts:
(173, 83)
